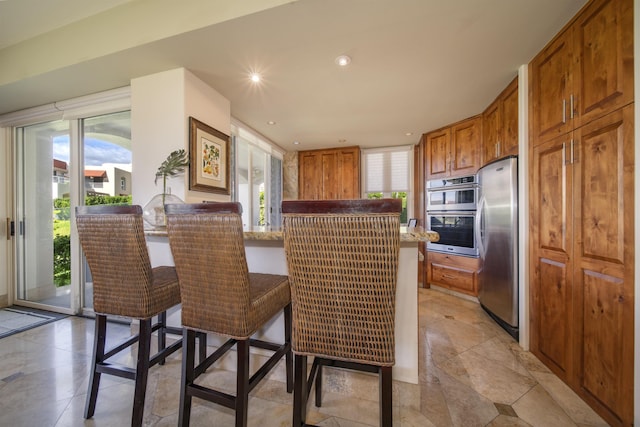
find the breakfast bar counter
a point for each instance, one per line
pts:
(265, 254)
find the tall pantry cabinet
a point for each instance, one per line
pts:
(582, 207)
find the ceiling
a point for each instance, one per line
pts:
(416, 64)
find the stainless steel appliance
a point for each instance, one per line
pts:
(497, 236)
(456, 230)
(451, 211)
(452, 194)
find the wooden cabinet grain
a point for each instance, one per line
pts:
(581, 207)
(500, 125)
(458, 273)
(329, 174)
(582, 282)
(585, 72)
(454, 150)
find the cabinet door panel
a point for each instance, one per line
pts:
(349, 172)
(465, 145)
(310, 176)
(602, 372)
(553, 315)
(437, 153)
(551, 282)
(604, 263)
(551, 89)
(604, 70)
(552, 196)
(509, 142)
(599, 174)
(491, 131)
(330, 175)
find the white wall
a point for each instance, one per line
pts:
(160, 108)
(161, 105)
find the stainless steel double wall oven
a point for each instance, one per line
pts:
(451, 212)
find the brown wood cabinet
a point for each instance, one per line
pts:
(585, 72)
(500, 125)
(329, 174)
(582, 282)
(454, 150)
(457, 273)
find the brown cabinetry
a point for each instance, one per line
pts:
(585, 72)
(457, 273)
(329, 174)
(500, 125)
(454, 150)
(582, 261)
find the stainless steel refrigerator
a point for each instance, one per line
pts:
(497, 238)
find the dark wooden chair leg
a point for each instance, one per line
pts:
(386, 396)
(142, 371)
(202, 341)
(162, 334)
(188, 365)
(242, 381)
(289, 355)
(319, 386)
(99, 339)
(300, 391)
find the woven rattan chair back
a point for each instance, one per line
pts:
(342, 258)
(112, 238)
(125, 284)
(207, 243)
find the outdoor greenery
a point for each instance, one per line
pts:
(394, 195)
(62, 233)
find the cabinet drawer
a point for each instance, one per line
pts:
(454, 272)
(453, 277)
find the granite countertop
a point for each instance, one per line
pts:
(407, 234)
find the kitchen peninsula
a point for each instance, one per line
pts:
(265, 254)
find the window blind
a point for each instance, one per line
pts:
(387, 170)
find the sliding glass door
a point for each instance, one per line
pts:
(59, 165)
(42, 225)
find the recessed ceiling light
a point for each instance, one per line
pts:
(295, 143)
(271, 122)
(255, 77)
(409, 133)
(343, 60)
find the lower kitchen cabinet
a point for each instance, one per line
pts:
(454, 272)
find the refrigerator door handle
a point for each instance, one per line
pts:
(479, 228)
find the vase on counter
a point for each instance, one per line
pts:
(153, 211)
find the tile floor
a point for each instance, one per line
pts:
(471, 374)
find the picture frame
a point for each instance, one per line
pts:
(412, 222)
(209, 151)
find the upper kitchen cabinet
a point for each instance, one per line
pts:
(454, 150)
(500, 125)
(585, 72)
(329, 174)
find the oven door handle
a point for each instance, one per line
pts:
(479, 228)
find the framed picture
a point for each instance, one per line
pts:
(412, 222)
(209, 158)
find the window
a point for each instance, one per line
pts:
(123, 183)
(258, 177)
(387, 173)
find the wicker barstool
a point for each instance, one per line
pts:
(342, 257)
(125, 284)
(221, 296)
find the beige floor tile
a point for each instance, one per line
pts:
(467, 364)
